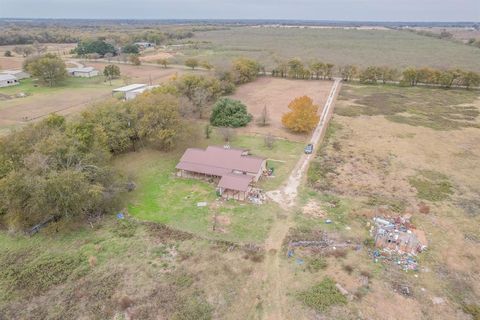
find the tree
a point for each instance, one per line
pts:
(39, 48)
(191, 63)
(386, 74)
(230, 113)
(269, 141)
(348, 72)
(206, 65)
(158, 119)
(245, 70)
(469, 79)
(98, 46)
(199, 90)
(208, 131)
(295, 68)
(264, 119)
(303, 115)
(369, 75)
(163, 62)
(317, 68)
(8, 53)
(110, 72)
(117, 121)
(134, 59)
(131, 48)
(25, 51)
(49, 69)
(328, 74)
(227, 133)
(409, 77)
(54, 169)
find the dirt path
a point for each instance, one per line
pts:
(286, 198)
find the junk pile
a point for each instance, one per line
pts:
(397, 242)
(257, 196)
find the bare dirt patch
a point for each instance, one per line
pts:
(276, 94)
(156, 56)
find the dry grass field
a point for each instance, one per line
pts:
(276, 94)
(374, 164)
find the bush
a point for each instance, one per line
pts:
(317, 264)
(230, 113)
(194, 308)
(323, 295)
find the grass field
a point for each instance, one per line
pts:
(372, 164)
(433, 108)
(119, 269)
(338, 46)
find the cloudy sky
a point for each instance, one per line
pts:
(372, 10)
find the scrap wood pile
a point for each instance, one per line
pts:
(397, 242)
(318, 242)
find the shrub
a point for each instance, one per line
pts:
(193, 308)
(432, 186)
(230, 113)
(317, 264)
(125, 229)
(323, 295)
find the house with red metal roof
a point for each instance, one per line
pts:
(233, 169)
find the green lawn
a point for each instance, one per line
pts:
(162, 197)
(31, 87)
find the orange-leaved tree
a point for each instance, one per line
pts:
(303, 115)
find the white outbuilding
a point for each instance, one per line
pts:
(19, 74)
(84, 72)
(7, 80)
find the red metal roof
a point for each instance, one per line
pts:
(217, 159)
(237, 182)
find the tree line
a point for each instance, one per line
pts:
(296, 69)
(17, 35)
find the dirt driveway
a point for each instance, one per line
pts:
(276, 94)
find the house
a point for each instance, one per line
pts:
(7, 80)
(19, 74)
(233, 169)
(144, 45)
(83, 72)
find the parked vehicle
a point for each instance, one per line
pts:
(309, 149)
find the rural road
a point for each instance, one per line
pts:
(286, 198)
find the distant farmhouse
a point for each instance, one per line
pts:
(131, 91)
(145, 45)
(233, 169)
(7, 80)
(83, 72)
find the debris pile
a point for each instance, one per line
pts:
(257, 196)
(397, 242)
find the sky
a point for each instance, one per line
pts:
(349, 10)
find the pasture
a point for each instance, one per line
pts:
(275, 94)
(339, 46)
(373, 164)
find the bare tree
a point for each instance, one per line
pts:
(269, 141)
(264, 118)
(227, 133)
